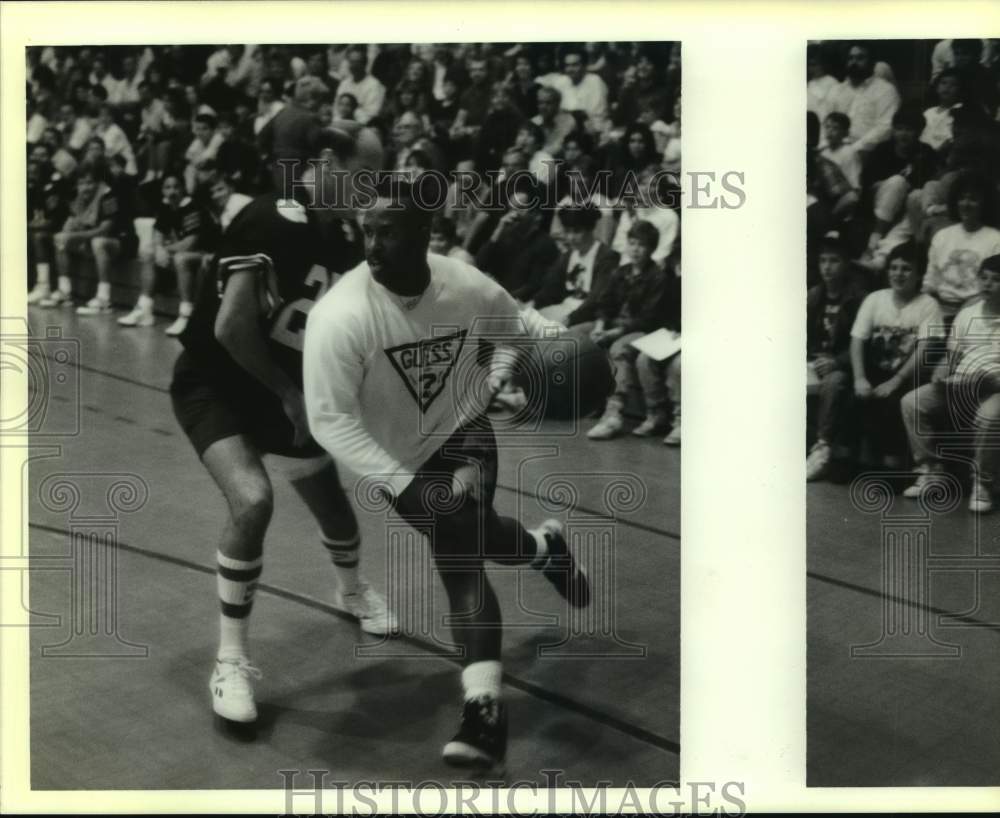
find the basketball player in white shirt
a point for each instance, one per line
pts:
(398, 374)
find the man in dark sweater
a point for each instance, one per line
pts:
(520, 250)
(571, 289)
(831, 308)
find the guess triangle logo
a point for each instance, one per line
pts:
(425, 366)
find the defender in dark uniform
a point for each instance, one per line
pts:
(237, 393)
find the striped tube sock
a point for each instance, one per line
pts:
(236, 581)
(344, 556)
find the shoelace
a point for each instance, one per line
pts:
(243, 667)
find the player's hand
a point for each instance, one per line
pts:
(161, 257)
(465, 483)
(823, 365)
(295, 409)
(495, 384)
(885, 390)
(862, 388)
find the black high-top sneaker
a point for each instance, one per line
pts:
(481, 741)
(562, 569)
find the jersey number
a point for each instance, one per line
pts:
(289, 327)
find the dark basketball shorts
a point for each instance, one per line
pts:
(466, 532)
(211, 406)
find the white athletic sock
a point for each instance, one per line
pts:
(185, 309)
(482, 679)
(541, 548)
(145, 303)
(236, 581)
(344, 556)
(65, 285)
(43, 282)
(104, 290)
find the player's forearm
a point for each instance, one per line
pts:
(858, 358)
(350, 444)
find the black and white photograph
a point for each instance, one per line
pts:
(903, 408)
(354, 401)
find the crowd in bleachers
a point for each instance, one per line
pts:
(139, 157)
(903, 166)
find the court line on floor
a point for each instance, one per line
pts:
(532, 689)
(651, 529)
(881, 595)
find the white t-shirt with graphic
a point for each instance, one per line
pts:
(387, 381)
(893, 331)
(953, 261)
(974, 344)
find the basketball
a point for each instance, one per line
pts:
(568, 378)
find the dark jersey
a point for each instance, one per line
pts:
(294, 260)
(177, 223)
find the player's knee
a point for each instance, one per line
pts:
(253, 508)
(102, 245)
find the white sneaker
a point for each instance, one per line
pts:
(980, 498)
(818, 460)
(607, 427)
(232, 689)
(674, 437)
(39, 294)
(137, 318)
(652, 425)
(369, 607)
(57, 298)
(929, 475)
(177, 327)
(96, 306)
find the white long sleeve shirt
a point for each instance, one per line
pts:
(870, 106)
(386, 386)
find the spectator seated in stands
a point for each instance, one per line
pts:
(571, 289)
(830, 200)
(555, 123)
(645, 199)
(62, 160)
(541, 164)
(203, 147)
(473, 104)
(963, 395)
(868, 100)
(660, 379)
(236, 158)
(116, 143)
(499, 129)
(831, 309)
(583, 93)
(637, 158)
(366, 89)
(884, 352)
(225, 203)
(48, 198)
(939, 118)
(346, 106)
(519, 251)
(630, 306)
(95, 229)
(177, 248)
(957, 251)
(76, 129)
(836, 126)
(892, 170)
(444, 241)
